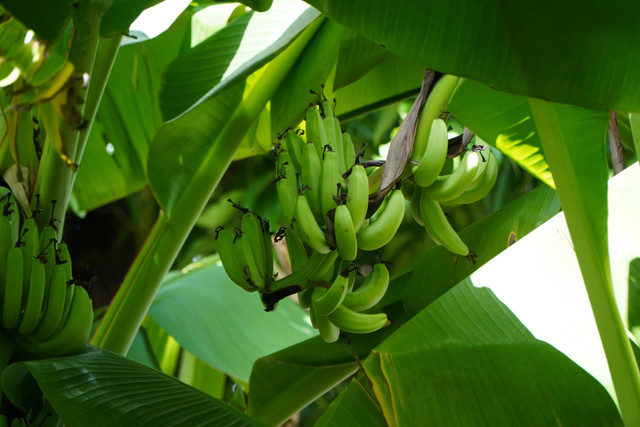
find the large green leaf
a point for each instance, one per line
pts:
(504, 121)
(438, 270)
(179, 147)
(222, 324)
(47, 18)
(285, 382)
(573, 140)
(396, 78)
(230, 55)
(182, 148)
(99, 388)
(357, 56)
(574, 51)
(467, 360)
(353, 407)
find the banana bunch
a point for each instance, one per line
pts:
(324, 192)
(473, 177)
(339, 308)
(40, 307)
(246, 253)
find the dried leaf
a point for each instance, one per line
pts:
(402, 144)
(17, 177)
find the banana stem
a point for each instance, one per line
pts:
(591, 252)
(299, 280)
(93, 56)
(132, 301)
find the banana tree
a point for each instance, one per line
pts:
(98, 107)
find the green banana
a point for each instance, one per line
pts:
(435, 105)
(30, 244)
(74, 333)
(346, 241)
(357, 323)
(11, 210)
(339, 145)
(312, 316)
(408, 188)
(311, 177)
(294, 144)
(328, 331)
(233, 260)
(328, 121)
(380, 232)
(252, 243)
(358, 195)
(332, 129)
(48, 250)
(371, 291)
(14, 282)
(287, 188)
(348, 152)
(54, 303)
(65, 260)
(315, 131)
(435, 154)
(308, 227)
(438, 227)
(451, 186)
(485, 155)
(480, 188)
(415, 206)
(268, 250)
(375, 178)
(35, 298)
(326, 301)
(295, 248)
(329, 181)
(304, 298)
(5, 245)
(352, 279)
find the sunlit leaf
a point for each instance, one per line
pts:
(505, 122)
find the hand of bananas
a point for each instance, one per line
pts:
(323, 191)
(42, 313)
(472, 178)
